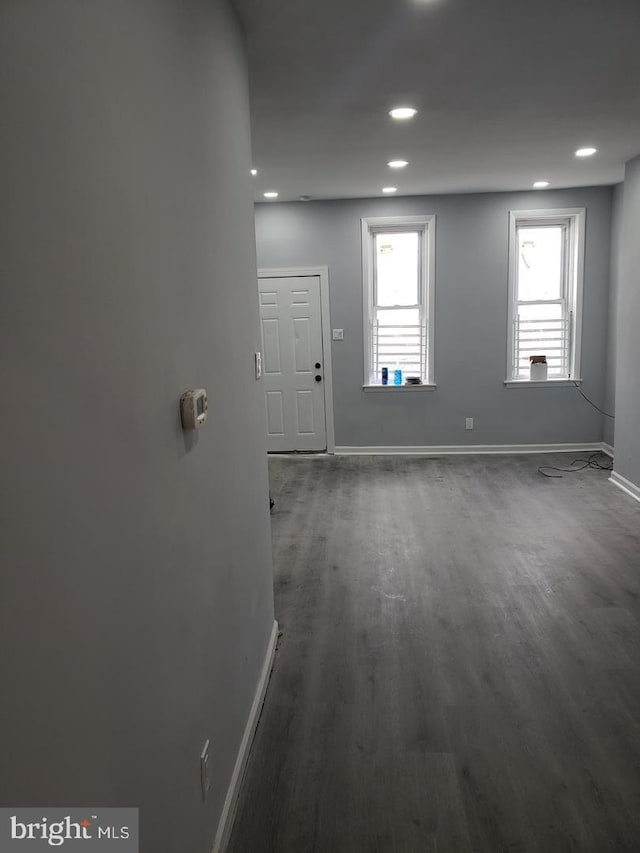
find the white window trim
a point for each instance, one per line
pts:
(394, 389)
(428, 273)
(545, 383)
(576, 281)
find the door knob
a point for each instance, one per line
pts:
(317, 365)
(318, 378)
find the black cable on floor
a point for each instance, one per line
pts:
(590, 462)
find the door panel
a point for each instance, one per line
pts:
(300, 297)
(271, 346)
(292, 346)
(304, 411)
(302, 345)
(275, 413)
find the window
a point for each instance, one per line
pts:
(545, 292)
(398, 283)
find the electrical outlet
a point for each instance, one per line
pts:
(468, 423)
(338, 334)
(205, 783)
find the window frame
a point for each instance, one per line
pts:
(425, 225)
(572, 286)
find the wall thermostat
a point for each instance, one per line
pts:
(193, 408)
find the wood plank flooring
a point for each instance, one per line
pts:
(459, 665)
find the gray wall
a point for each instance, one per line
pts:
(136, 588)
(612, 331)
(471, 319)
(627, 460)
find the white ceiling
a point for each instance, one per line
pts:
(506, 90)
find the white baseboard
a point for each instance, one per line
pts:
(229, 809)
(608, 449)
(457, 449)
(624, 484)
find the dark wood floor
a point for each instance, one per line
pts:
(459, 668)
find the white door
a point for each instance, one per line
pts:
(292, 362)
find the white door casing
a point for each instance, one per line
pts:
(292, 346)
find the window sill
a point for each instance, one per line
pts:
(547, 383)
(426, 386)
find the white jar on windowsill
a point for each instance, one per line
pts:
(538, 368)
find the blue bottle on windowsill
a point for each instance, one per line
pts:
(397, 376)
(385, 375)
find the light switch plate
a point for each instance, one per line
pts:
(338, 334)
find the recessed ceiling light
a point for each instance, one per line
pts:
(585, 152)
(271, 194)
(398, 164)
(540, 185)
(402, 112)
(254, 172)
(389, 189)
